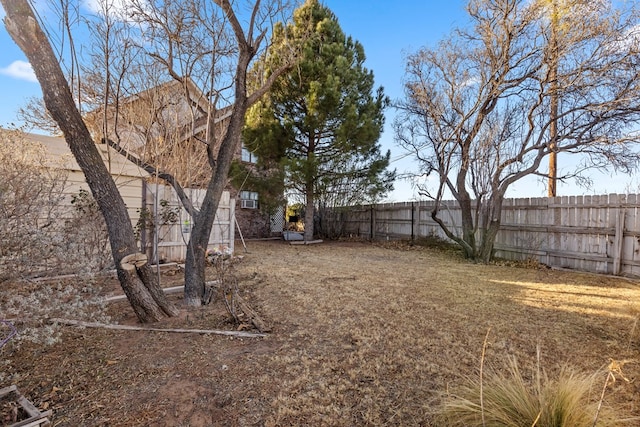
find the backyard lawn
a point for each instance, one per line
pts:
(361, 335)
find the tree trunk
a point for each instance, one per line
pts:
(144, 294)
(491, 226)
(488, 241)
(464, 200)
(308, 213)
(468, 234)
(194, 275)
(195, 264)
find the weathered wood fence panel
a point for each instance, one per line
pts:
(588, 233)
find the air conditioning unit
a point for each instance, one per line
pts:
(249, 204)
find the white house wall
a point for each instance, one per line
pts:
(131, 182)
(128, 177)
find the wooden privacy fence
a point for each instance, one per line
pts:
(175, 223)
(589, 233)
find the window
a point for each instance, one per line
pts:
(248, 156)
(249, 199)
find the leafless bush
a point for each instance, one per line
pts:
(43, 229)
(86, 241)
(222, 262)
(30, 192)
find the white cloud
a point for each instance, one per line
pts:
(632, 37)
(19, 70)
(627, 43)
(118, 9)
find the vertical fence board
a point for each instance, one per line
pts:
(619, 242)
(632, 242)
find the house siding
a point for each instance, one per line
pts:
(128, 177)
(131, 182)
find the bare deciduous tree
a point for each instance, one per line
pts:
(200, 52)
(137, 281)
(208, 47)
(203, 47)
(476, 112)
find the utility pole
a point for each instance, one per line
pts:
(553, 125)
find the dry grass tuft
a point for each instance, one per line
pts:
(510, 400)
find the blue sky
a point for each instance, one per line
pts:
(387, 30)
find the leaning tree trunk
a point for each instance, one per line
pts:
(194, 274)
(135, 276)
(195, 264)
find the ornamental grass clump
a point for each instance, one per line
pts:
(510, 400)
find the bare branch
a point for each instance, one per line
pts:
(152, 170)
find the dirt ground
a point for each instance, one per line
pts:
(362, 335)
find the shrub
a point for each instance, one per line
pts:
(29, 194)
(43, 229)
(86, 241)
(509, 400)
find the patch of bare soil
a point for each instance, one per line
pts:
(361, 335)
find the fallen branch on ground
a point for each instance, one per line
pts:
(305, 242)
(255, 319)
(142, 328)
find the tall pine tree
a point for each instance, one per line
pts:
(321, 122)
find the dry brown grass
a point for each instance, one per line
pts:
(362, 335)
